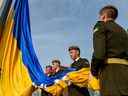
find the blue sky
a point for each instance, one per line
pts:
(57, 24)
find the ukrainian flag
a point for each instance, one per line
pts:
(19, 66)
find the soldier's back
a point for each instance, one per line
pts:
(117, 40)
(114, 75)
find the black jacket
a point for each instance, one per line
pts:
(81, 63)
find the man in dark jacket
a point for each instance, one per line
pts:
(110, 57)
(78, 63)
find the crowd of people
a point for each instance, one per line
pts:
(55, 68)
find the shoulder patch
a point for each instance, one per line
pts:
(95, 30)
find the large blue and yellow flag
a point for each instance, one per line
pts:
(19, 66)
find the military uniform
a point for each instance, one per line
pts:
(73, 89)
(110, 58)
(80, 63)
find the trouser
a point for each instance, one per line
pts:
(44, 93)
(114, 80)
(83, 91)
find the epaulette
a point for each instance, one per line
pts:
(98, 25)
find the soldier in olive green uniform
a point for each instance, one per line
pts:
(110, 57)
(78, 64)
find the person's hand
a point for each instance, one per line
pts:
(42, 86)
(66, 79)
(34, 85)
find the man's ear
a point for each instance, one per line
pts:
(104, 17)
(78, 53)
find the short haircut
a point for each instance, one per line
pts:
(74, 48)
(56, 61)
(111, 11)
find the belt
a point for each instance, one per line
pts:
(117, 61)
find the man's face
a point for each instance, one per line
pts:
(48, 70)
(55, 65)
(74, 54)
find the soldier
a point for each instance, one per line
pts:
(78, 63)
(110, 57)
(57, 67)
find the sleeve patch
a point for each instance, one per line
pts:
(96, 29)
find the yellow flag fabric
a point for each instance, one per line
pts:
(14, 78)
(58, 88)
(80, 77)
(94, 83)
